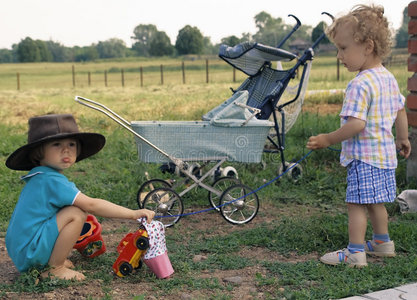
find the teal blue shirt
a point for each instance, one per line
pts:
(33, 229)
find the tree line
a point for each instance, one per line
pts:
(148, 41)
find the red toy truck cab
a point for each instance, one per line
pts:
(131, 249)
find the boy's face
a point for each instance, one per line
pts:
(60, 154)
(355, 56)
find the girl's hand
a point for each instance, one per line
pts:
(318, 142)
(145, 213)
(404, 146)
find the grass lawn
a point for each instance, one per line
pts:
(297, 221)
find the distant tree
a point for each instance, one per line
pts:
(189, 41)
(160, 45)
(59, 52)
(88, 53)
(401, 38)
(271, 31)
(28, 51)
(112, 48)
(142, 36)
(246, 37)
(208, 47)
(230, 40)
(6, 56)
(317, 32)
(263, 20)
(45, 54)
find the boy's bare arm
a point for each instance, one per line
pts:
(107, 209)
(351, 128)
(401, 127)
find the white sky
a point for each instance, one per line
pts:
(83, 22)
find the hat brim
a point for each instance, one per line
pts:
(91, 143)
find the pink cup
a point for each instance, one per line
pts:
(160, 265)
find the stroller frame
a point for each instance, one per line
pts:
(270, 103)
(237, 203)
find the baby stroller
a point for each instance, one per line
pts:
(235, 131)
(180, 145)
(269, 95)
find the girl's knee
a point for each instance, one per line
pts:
(70, 214)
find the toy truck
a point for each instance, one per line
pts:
(131, 249)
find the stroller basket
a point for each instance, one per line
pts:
(199, 141)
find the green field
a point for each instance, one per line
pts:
(59, 75)
(300, 219)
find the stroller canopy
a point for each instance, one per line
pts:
(250, 57)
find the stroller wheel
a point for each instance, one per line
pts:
(149, 186)
(166, 204)
(239, 204)
(220, 185)
(294, 173)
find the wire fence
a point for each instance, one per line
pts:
(119, 75)
(133, 74)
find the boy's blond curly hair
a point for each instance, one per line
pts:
(369, 23)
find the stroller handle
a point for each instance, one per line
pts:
(125, 124)
(294, 29)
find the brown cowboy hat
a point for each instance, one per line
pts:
(50, 127)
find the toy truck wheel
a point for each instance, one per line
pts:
(142, 243)
(139, 265)
(125, 269)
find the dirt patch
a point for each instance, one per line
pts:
(241, 280)
(323, 108)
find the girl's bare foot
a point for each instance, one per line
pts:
(68, 264)
(63, 272)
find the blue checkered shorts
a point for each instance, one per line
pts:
(367, 184)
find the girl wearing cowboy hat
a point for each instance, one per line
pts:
(51, 211)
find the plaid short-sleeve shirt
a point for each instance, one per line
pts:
(373, 96)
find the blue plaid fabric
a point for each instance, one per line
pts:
(367, 184)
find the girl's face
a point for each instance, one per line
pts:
(60, 154)
(354, 56)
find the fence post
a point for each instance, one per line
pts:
(105, 78)
(123, 78)
(89, 78)
(141, 76)
(207, 71)
(18, 80)
(73, 76)
(162, 75)
(183, 73)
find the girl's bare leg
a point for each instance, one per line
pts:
(357, 223)
(379, 218)
(70, 222)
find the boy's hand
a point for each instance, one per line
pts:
(404, 146)
(318, 142)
